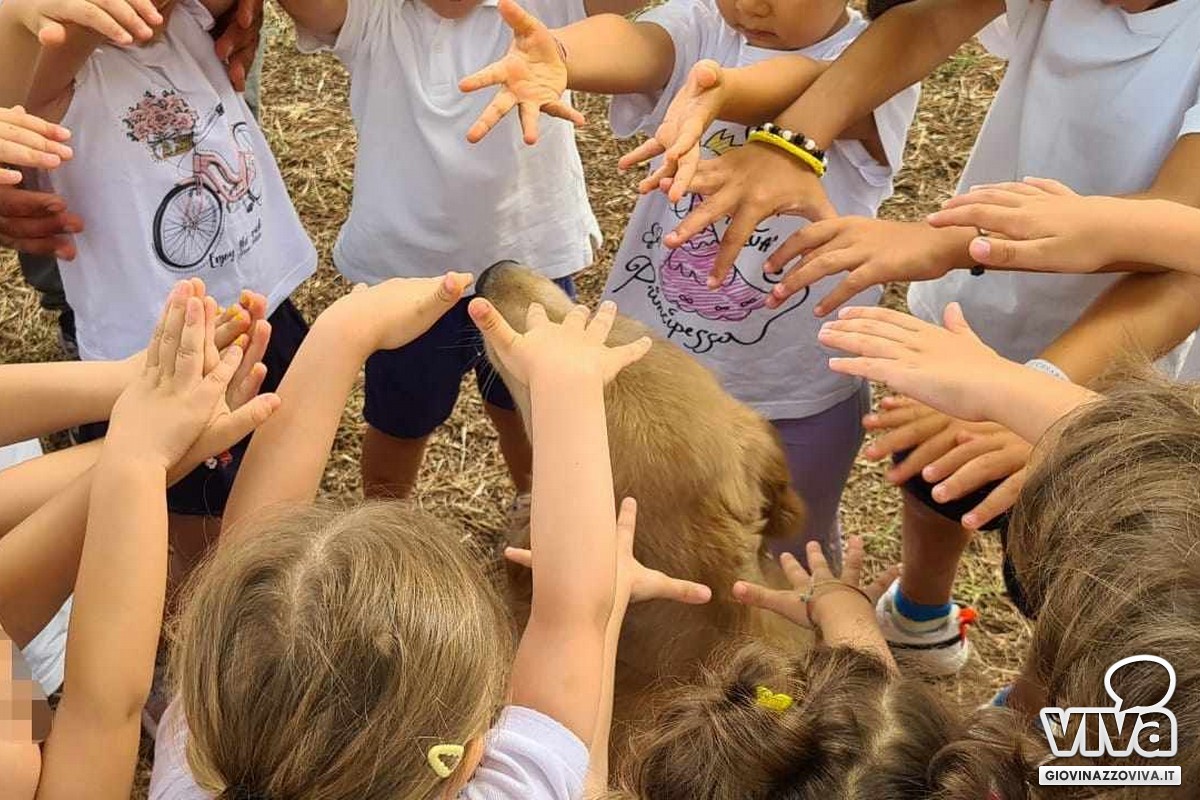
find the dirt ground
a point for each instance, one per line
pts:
(307, 121)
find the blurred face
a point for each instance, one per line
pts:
(784, 24)
(24, 718)
(452, 9)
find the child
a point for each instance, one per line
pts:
(1040, 225)
(174, 178)
(173, 409)
(729, 327)
(371, 654)
(425, 201)
(1073, 57)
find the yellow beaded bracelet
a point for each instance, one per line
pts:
(811, 161)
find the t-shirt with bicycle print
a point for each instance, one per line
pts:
(173, 178)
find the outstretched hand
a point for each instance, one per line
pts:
(532, 77)
(122, 22)
(814, 591)
(29, 141)
(575, 346)
(640, 582)
(694, 108)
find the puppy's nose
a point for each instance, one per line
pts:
(489, 274)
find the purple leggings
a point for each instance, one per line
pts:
(820, 452)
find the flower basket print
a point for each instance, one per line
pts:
(165, 123)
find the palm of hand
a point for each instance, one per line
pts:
(535, 73)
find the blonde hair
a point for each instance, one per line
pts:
(322, 655)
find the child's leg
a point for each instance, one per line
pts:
(409, 393)
(390, 463)
(931, 546)
(820, 452)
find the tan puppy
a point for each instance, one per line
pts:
(710, 479)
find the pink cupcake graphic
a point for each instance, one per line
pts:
(684, 277)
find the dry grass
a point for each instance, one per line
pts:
(307, 121)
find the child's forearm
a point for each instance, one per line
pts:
(39, 560)
(597, 781)
(26, 487)
(1028, 401)
(1165, 233)
(609, 54)
(114, 632)
(37, 399)
(19, 51)
(1141, 314)
(856, 628)
(896, 51)
(286, 458)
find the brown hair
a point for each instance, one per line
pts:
(1105, 540)
(322, 655)
(854, 730)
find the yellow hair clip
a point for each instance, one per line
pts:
(765, 698)
(439, 754)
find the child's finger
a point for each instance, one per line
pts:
(853, 561)
(1001, 499)
(230, 429)
(602, 322)
(1051, 186)
(244, 390)
(255, 345)
(152, 351)
(54, 34)
(576, 318)
(535, 316)
(860, 344)
(664, 587)
(565, 111)
(493, 325)
(148, 11)
(54, 134)
(173, 329)
(21, 147)
(491, 116)
(127, 15)
(519, 556)
(491, 75)
(521, 21)
(643, 152)
(627, 516)
(189, 355)
(216, 383)
(530, 114)
(784, 603)
(630, 353)
(817, 565)
(684, 172)
(212, 353)
(885, 315)
(233, 323)
(794, 571)
(883, 581)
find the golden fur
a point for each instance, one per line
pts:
(710, 479)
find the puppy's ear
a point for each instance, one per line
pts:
(782, 508)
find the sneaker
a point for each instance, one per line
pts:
(940, 649)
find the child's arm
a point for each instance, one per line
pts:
(838, 606)
(26, 26)
(286, 458)
(607, 54)
(319, 17)
(36, 399)
(635, 584)
(119, 594)
(560, 665)
(949, 369)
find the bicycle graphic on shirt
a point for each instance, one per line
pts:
(190, 219)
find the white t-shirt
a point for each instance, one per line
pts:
(528, 756)
(425, 200)
(173, 179)
(1094, 97)
(46, 653)
(767, 358)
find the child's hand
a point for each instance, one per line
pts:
(872, 251)
(820, 599)
(121, 21)
(574, 347)
(533, 77)
(638, 581)
(393, 313)
(1039, 225)
(29, 141)
(694, 108)
(948, 368)
(164, 412)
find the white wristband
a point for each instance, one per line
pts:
(1042, 365)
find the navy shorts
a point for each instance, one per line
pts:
(922, 490)
(203, 491)
(412, 390)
